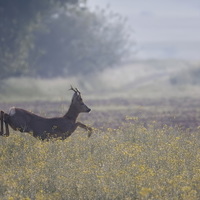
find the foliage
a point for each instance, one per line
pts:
(189, 76)
(50, 38)
(78, 41)
(18, 21)
(132, 162)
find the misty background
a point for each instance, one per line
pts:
(117, 48)
(162, 29)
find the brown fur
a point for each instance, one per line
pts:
(46, 128)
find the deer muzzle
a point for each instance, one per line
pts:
(88, 110)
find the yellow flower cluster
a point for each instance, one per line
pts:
(132, 162)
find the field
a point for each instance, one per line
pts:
(140, 149)
(145, 142)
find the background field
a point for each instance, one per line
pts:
(145, 142)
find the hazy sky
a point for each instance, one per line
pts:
(162, 28)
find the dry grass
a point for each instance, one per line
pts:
(132, 162)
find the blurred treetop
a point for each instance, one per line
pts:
(59, 38)
(18, 19)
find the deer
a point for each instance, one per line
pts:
(46, 128)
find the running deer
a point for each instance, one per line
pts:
(46, 128)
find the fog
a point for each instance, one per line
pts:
(162, 29)
(165, 59)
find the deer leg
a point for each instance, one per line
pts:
(7, 130)
(5, 118)
(1, 118)
(87, 128)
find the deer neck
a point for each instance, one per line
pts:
(72, 113)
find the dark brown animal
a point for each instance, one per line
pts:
(46, 128)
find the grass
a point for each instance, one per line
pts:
(133, 157)
(132, 162)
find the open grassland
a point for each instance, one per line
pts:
(140, 149)
(127, 163)
(145, 143)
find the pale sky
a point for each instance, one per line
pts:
(162, 28)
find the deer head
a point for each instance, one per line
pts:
(77, 101)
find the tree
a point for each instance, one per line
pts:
(18, 20)
(58, 37)
(78, 41)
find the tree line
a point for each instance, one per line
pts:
(59, 38)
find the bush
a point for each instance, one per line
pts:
(189, 76)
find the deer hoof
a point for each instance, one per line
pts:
(6, 134)
(90, 133)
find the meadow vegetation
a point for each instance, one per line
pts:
(131, 162)
(145, 143)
